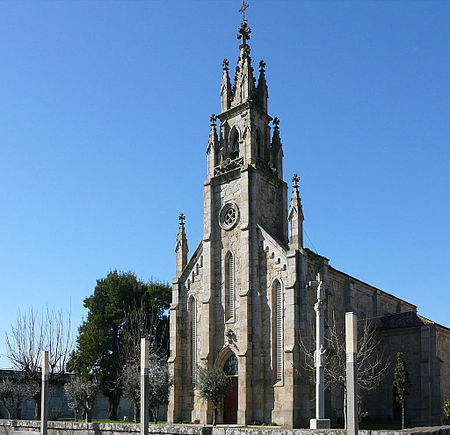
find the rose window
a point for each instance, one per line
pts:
(229, 215)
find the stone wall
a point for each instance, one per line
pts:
(10, 427)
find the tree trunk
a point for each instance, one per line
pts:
(37, 403)
(136, 412)
(75, 415)
(215, 416)
(403, 415)
(114, 399)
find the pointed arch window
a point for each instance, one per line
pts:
(259, 150)
(234, 144)
(192, 315)
(278, 328)
(230, 295)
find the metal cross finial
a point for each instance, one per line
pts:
(262, 65)
(276, 122)
(182, 217)
(295, 180)
(225, 64)
(243, 9)
(212, 119)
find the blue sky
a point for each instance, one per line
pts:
(104, 119)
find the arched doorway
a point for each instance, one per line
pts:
(230, 401)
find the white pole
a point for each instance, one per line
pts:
(44, 393)
(144, 385)
(351, 349)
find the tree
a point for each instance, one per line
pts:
(132, 388)
(401, 383)
(101, 349)
(372, 366)
(11, 396)
(32, 333)
(446, 408)
(213, 385)
(159, 383)
(81, 394)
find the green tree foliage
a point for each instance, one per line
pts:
(401, 383)
(81, 394)
(159, 383)
(100, 350)
(11, 397)
(446, 408)
(132, 388)
(213, 385)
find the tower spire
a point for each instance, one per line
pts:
(244, 82)
(181, 247)
(295, 217)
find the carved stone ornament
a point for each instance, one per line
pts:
(229, 216)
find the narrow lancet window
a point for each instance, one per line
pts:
(229, 286)
(192, 311)
(234, 145)
(278, 326)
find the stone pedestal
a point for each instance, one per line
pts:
(320, 423)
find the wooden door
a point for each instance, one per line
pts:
(230, 402)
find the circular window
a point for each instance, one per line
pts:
(229, 215)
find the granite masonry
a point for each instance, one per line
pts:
(242, 300)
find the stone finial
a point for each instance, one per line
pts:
(276, 123)
(225, 64)
(262, 66)
(212, 120)
(295, 180)
(244, 33)
(181, 219)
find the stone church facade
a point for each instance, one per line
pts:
(242, 300)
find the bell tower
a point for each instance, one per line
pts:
(225, 297)
(244, 194)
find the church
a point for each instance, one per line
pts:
(242, 300)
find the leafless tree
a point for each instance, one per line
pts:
(141, 322)
(372, 365)
(34, 332)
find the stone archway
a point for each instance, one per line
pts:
(230, 401)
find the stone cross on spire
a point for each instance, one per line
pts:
(276, 123)
(244, 31)
(243, 9)
(295, 180)
(181, 218)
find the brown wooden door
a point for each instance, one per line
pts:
(230, 402)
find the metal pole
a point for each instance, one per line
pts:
(44, 393)
(351, 348)
(144, 385)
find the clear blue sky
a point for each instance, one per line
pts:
(104, 119)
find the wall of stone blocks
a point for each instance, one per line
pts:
(10, 427)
